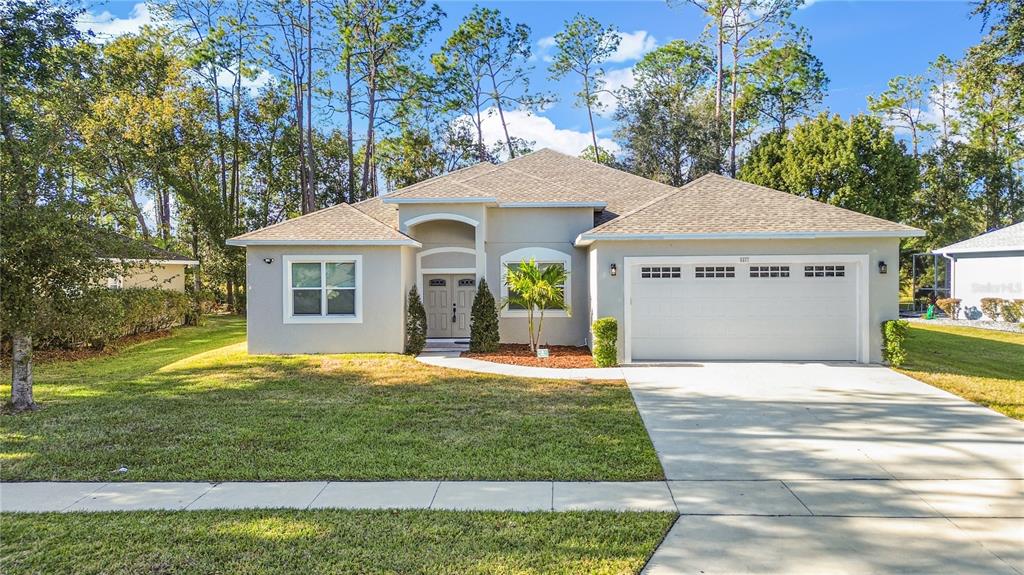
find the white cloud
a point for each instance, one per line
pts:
(106, 25)
(633, 45)
(539, 129)
(613, 80)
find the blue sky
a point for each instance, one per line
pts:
(861, 43)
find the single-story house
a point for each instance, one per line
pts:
(146, 265)
(989, 265)
(715, 270)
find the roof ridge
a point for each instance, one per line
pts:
(287, 220)
(378, 222)
(421, 183)
(650, 203)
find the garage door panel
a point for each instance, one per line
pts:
(689, 317)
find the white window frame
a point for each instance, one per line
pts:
(541, 256)
(290, 317)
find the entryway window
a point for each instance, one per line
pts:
(322, 289)
(544, 257)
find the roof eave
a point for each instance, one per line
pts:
(256, 242)
(422, 200)
(968, 250)
(595, 205)
(585, 239)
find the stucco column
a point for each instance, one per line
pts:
(480, 243)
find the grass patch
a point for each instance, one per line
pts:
(980, 365)
(330, 541)
(195, 406)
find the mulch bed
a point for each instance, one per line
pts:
(561, 356)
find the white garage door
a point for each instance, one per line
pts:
(768, 310)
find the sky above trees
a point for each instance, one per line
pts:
(862, 44)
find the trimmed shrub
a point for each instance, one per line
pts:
(606, 334)
(894, 332)
(101, 315)
(992, 307)
(951, 307)
(483, 323)
(415, 324)
(1011, 311)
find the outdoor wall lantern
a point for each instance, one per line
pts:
(268, 260)
(882, 268)
(614, 271)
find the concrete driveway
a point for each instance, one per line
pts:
(815, 468)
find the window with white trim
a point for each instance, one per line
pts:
(714, 272)
(322, 289)
(544, 257)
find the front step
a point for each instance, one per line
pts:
(446, 344)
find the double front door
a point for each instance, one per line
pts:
(448, 299)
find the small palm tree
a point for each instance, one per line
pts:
(536, 289)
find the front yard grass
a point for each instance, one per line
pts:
(983, 366)
(330, 541)
(195, 406)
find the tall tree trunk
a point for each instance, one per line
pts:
(732, 97)
(349, 137)
(129, 191)
(371, 103)
(501, 116)
(219, 116)
(481, 150)
(311, 159)
(590, 116)
(21, 371)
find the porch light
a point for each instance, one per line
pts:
(882, 268)
(614, 271)
(268, 260)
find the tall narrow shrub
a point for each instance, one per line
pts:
(606, 333)
(415, 324)
(483, 327)
(894, 332)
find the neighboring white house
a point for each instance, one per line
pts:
(716, 269)
(989, 265)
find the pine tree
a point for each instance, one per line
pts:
(483, 330)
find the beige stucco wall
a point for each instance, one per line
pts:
(977, 276)
(510, 229)
(164, 276)
(385, 279)
(883, 299)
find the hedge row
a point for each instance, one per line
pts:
(102, 315)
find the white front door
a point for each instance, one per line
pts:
(449, 301)
(777, 310)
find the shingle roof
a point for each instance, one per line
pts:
(386, 214)
(114, 245)
(717, 206)
(1010, 238)
(544, 176)
(340, 224)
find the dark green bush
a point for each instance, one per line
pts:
(483, 327)
(992, 307)
(951, 307)
(1011, 310)
(415, 324)
(894, 332)
(606, 334)
(101, 315)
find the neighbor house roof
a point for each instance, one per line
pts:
(541, 178)
(121, 247)
(1010, 238)
(340, 224)
(718, 207)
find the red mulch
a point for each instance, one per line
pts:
(562, 356)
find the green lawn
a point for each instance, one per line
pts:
(983, 366)
(331, 541)
(195, 406)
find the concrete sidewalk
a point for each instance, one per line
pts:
(457, 495)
